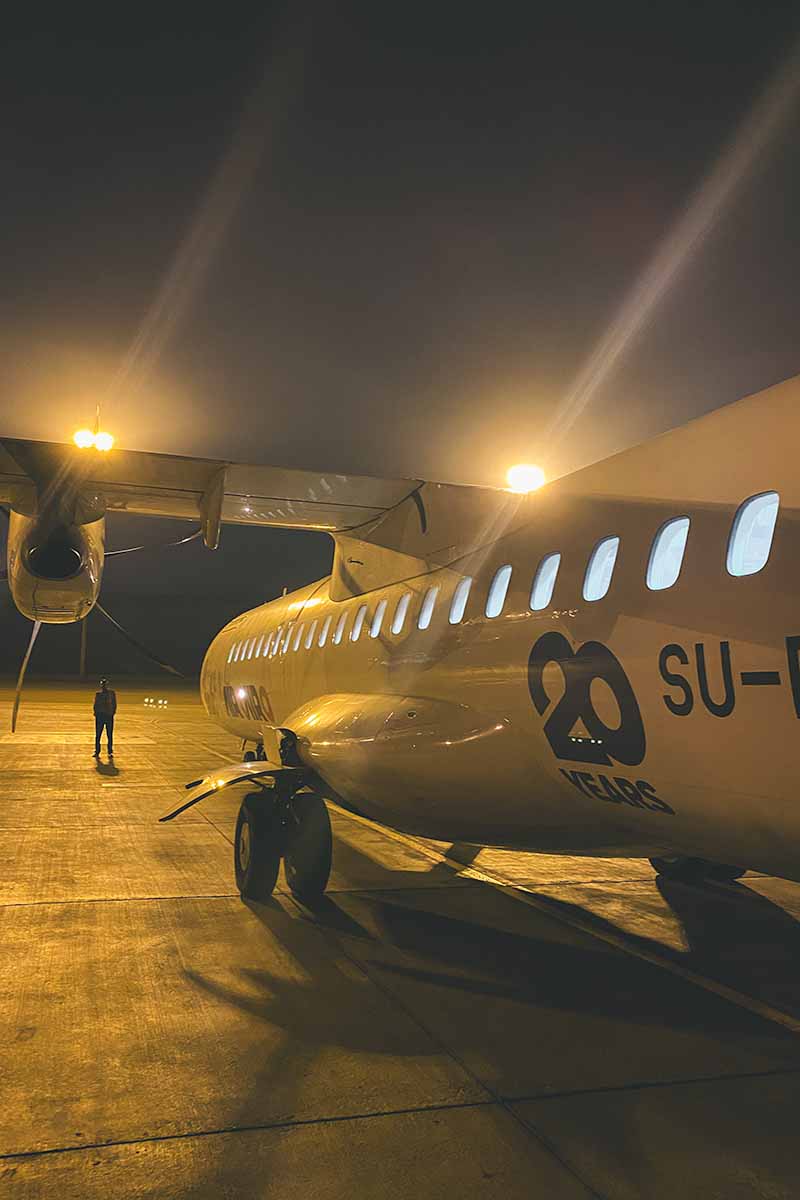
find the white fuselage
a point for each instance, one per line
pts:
(648, 722)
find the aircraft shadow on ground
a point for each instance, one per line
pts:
(350, 862)
(298, 1005)
(402, 946)
(410, 936)
(732, 925)
(729, 929)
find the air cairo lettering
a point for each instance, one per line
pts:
(248, 702)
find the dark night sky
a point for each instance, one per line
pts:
(382, 238)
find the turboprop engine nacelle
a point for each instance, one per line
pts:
(55, 562)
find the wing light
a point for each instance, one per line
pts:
(524, 477)
(84, 439)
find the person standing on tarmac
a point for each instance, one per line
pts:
(105, 705)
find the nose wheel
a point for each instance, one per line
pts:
(294, 828)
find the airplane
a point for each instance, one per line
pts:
(607, 666)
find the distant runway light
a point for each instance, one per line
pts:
(103, 441)
(84, 438)
(524, 477)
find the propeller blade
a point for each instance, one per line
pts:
(136, 644)
(37, 625)
(158, 546)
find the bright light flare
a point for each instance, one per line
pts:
(85, 439)
(524, 477)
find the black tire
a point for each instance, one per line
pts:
(309, 847)
(257, 847)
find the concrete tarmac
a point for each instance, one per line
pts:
(584, 1032)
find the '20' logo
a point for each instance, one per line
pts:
(623, 744)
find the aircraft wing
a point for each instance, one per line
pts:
(213, 492)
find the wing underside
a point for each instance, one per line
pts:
(164, 485)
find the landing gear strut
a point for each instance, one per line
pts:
(693, 870)
(277, 824)
(256, 755)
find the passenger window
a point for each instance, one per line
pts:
(355, 632)
(287, 637)
(399, 619)
(276, 645)
(251, 648)
(323, 633)
(236, 652)
(459, 602)
(312, 629)
(377, 620)
(498, 590)
(340, 624)
(751, 535)
(544, 581)
(258, 646)
(427, 607)
(267, 645)
(600, 569)
(298, 636)
(666, 554)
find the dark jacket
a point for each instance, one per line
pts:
(105, 703)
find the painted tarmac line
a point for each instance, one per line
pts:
(617, 940)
